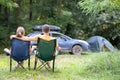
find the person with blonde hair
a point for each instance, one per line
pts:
(20, 33)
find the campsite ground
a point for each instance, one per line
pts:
(88, 66)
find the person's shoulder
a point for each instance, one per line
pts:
(51, 38)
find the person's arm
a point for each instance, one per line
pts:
(25, 38)
(57, 47)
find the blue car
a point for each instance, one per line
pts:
(67, 44)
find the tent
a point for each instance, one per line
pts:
(98, 43)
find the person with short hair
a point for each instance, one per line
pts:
(47, 37)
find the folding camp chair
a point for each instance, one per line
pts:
(19, 52)
(46, 52)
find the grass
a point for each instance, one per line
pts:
(90, 66)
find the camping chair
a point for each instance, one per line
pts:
(46, 52)
(19, 52)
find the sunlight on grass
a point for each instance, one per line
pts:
(67, 67)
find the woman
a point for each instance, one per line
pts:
(20, 32)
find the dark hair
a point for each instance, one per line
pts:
(46, 28)
(20, 31)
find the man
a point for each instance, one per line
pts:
(45, 36)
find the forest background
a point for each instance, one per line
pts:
(77, 18)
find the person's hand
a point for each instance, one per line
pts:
(58, 48)
(12, 36)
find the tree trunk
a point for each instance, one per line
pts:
(18, 13)
(0, 8)
(59, 2)
(1, 16)
(30, 14)
(6, 16)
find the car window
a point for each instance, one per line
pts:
(58, 36)
(61, 36)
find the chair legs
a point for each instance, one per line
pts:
(35, 63)
(19, 64)
(29, 63)
(43, 64)
(10, 64)
(53, 64)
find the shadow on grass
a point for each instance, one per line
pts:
(86, 53)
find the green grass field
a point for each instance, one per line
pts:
(88, 66)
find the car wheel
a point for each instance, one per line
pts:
(77, 49)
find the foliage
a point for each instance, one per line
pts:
(96, 6)
(100, 24)
(77, 18)
(3, 32)
(105, 62)
(8, 3)
(105, 14)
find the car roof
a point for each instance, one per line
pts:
(52, 28)
(53, 32)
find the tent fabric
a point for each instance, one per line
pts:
(99, 43)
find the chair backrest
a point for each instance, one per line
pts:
(20, 49)
(46, 49)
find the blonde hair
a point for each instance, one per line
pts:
(20, 31)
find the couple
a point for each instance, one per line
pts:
(20, 32)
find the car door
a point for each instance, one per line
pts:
(62, 41)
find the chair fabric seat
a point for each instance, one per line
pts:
(19, 51)
(46, 51)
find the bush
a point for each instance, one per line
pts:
(104, 62)
(4, 38)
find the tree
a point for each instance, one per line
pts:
(5, 7)
(96, 6)
(8, 3)
(106, 14)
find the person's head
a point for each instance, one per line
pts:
(20, 31)
(46, 28)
